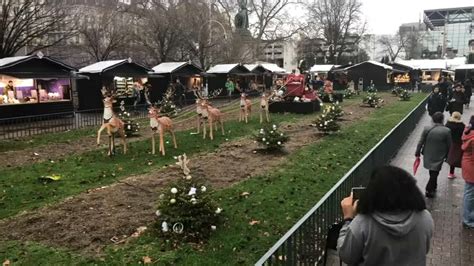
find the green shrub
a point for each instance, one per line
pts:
(373, 100)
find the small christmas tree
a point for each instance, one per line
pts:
(186, 211)
(371, 88)
(348, 94)
(404, 95)
(167, 105)
(326, 124)
(396, 91)
(131, 127)
(271, 138)
(373, 100)
(333, 110)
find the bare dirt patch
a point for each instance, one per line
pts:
(100, 217)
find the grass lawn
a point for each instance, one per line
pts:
(277, 199)
(21, 189)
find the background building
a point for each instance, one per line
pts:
(448, 32)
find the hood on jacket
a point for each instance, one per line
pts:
(397, 223)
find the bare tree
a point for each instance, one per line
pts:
(106, 32)
(393, 45)
(31, 25)
(339, 22)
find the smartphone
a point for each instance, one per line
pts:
(356, 193)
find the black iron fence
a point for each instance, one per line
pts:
(26, 126)
(304, 243)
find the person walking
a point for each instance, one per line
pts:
(434, 144)
(457, 101)
(468, 91)
(230, 87)
(388, 225)
(436, 102)
(456, 126)
(467, 166)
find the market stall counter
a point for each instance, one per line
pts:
(34, 85)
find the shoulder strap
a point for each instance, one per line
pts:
(427, 133)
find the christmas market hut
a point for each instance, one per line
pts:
(265, 74)
(35, 85)
(464, 72)
(119, 75)
(320, 70)
(369, 72)
(187, 73)
(220, 73)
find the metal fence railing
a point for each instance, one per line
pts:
(304, 243)
(26, 126)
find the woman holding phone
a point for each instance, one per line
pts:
(388, 225)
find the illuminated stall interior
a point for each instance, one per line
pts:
(118, 75)
(31, 83)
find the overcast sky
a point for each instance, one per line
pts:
(384, 17)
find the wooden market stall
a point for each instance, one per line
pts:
(34, 85)
(369, 72)
(220, 73)
(265, 74)
(117, 74)
(188, 74)
(464, 72)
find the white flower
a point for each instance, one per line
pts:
(264, 139)
(174, 190)
(279, 142)
(213, 227)
(219, 210)
(192, 191)
(193, 200)
(274, 126)
(164, 227)
(172, 201)
(203, 189)
(321, 125)
(158, 213)
(268, 143)
(281, 134)
(326, 123)
(189, 177)
(162, 196)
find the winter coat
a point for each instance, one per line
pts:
(468, 90)
(399, 238)
(456, 104)
(455, 152)
(434, 144)
(436, 103)
(468, 157)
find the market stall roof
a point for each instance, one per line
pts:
(434, 64)
(122, 68)
(35, 66)
(467, 66)
(401, 67)
(266, 67)
(177, 68)
(373, 63)
(228, 69)
(321, 68)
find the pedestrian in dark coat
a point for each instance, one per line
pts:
(456, 126)
(434, 144)
(456, 103)
(436, 102)
(468, 92)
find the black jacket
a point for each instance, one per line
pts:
(436, 103)
(457, 102)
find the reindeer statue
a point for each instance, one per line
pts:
(206, 112)
(161, 124)
(245, 108)
(112, 123)
(264, 107)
